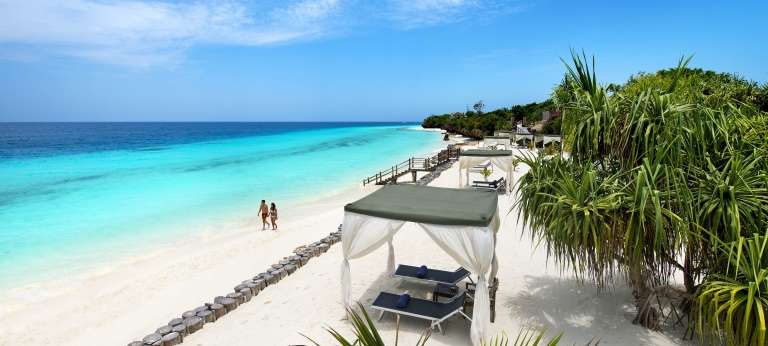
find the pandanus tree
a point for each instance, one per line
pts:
(655, 182)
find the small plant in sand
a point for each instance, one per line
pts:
(486, 173)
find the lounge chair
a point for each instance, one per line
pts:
(495, 185)
(433, 275)
(424, 309)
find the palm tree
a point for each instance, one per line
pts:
(653, 184)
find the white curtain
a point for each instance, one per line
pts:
(361, 235)
(465, 163)
(495, 225)
(505, 163)
(473, 247)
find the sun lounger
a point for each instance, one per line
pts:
(496, 185)
(433, 275)
(424, 309)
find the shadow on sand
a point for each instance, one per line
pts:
(580, 312)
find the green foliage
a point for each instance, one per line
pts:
(470, 124)
(589, 114)
(661, 170)
(478, 124)
(574, 218)
(552, 127)
(531, 112)
(735, 300)
(479, 106)
(708, 88)
(524, 338)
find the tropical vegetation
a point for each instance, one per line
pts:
(476, 123)
(664, 175)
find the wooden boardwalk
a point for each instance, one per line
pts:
(412, 166)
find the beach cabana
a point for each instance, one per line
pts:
(462, 222)
(503, 159)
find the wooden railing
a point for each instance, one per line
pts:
(412, 165)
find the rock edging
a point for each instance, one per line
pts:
(174, 332)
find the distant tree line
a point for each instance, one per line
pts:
(476, 123)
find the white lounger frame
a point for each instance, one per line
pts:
(433, 322)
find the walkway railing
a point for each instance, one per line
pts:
(412, 165)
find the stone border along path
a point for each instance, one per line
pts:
(425, 180)
(175, 330)
(193, 320)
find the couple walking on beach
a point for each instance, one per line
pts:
(268, 212)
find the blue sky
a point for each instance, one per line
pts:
(341, 60)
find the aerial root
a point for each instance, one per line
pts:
(658, 304)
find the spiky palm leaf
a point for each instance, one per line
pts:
(655, 180)
(366, 332)
(734, 303)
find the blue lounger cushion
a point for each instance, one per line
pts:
(422, 272)
(420, 307)
(433, 275)
(403, 300)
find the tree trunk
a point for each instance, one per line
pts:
(688, 281)
(647, 314)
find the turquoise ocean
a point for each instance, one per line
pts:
(74, 196)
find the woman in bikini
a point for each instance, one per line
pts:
(264, 211)
(273, 216)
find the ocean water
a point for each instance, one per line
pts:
(72, 192)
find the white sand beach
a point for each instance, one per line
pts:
(133, 298)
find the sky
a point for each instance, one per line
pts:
(343, 60)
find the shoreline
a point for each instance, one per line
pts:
(167, 279)
(162, 237)
(137, 242)
(168, 276)
(237, 222)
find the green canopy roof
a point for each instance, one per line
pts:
(484, 152)
(426, 204)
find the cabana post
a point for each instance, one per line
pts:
(462, 222)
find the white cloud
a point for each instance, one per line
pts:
(152, 32)
(410, 14)
(157, 32)
(429, 12)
